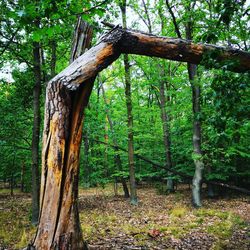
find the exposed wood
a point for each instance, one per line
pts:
(59, 226)
(184, 50)
(120, 40)
(67, 95)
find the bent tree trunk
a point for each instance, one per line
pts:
(66, 96)
(59, 226)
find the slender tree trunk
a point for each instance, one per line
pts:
(22, 176)
(165, 118)
(12, 183)
(196, 95)
(53, 58)
(166, 135)
(133, 193)
(36, 128)
(117, 157)
(197, 153)
(59, 225)
(106, 139)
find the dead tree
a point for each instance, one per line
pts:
(67, 95)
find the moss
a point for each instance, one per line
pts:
(222, 230)
(176, 231)
(178, 212)
(200, 221)
(23, 242)
(202, 212)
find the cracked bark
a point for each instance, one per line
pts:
(59, 225)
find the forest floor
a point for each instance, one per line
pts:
(158, 222)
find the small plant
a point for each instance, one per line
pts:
(178, 212)
(23, 242)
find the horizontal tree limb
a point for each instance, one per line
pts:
(119, 40)
(183, 175)
(183, 50)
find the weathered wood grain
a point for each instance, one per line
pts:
(119, 41)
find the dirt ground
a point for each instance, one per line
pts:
(158, 222)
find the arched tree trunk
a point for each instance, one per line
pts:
(67, 95)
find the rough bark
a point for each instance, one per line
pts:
(132, 182)
(185, 51)
(119, 41)
(36, 129)
(118, 161)
(59, 225)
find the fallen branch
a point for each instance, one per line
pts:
(183, 175)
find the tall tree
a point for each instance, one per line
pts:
(192, 72)
(36, 126)
(166, 131)
(117, 157)
(196, 99)
(133, 193)
(165, 116)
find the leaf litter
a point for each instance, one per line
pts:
(157, 222)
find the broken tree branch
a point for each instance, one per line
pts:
(126, 41)
(183, 175)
